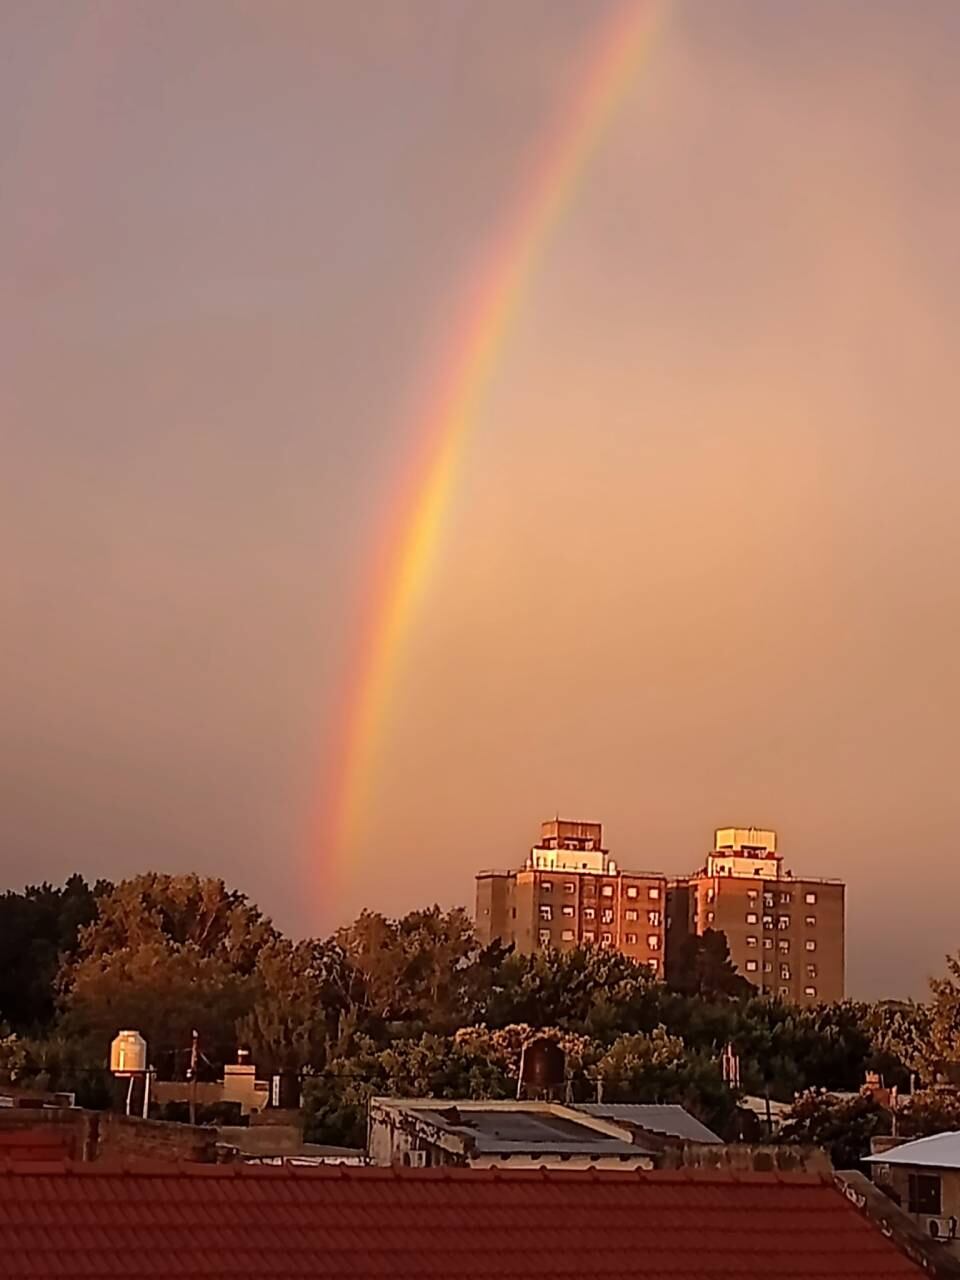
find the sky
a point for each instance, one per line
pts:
(699, 566)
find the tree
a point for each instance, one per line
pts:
(39, 929)
(659, 1067)
(941, 1054)
(300, 993)
(843, 1127)
(415, 968)
(593, 990)
(928, 1111)
(164, 990)
(701, 965)
(185, 910)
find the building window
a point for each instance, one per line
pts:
(632, 891)
(631, 939)
(786, 898)
(653, 893)
(784, 991)
(546, 912)
(751, 917)
(653, 964)
(767, 967)
(513, 913)
(768, 899)
(589, 913)
(768, 944)
(606, 915)
(607, 890)
(811, 945)
(751, 940)
(606, 939)
(711, 894)
(783, 944)
(809, 991)
(631, 915)
(709, 917)
(768, 922)
(653, 941)
(811, 922)
(589, 937)
(569, 887)
(785, 972)
(653, 917)
(809, 899)
(544, 937)
(753, 894)
(568, 911)
(811, 970)
(923, 1193)
(751, 966)
(547, 886)
(567, 935)
(783, 922)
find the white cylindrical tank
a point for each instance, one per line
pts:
(128, 1054)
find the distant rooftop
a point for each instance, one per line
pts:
(940, 1151)
(540, 1128)
(671, 1120)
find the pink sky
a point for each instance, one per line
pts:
(701, 566)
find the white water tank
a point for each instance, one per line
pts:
(128, 1054)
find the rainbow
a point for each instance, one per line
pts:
(405, 547)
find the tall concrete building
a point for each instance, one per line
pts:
(571, 893)
(785, 931)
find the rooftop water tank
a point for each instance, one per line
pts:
(128, 1054)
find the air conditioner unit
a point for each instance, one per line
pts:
(941, 1228)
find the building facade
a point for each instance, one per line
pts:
(571, 893)
(785, 932)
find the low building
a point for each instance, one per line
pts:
(194, 1223)
(426, 1132)
(923, 1177)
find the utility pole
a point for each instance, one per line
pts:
(192, 1075)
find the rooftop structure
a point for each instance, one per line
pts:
(248, 1221)
(670, 1121)
(923, 1177)
(426, 1132)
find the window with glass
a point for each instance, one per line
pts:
(923, 1193)
(569, 911)
(546, 911)
(751, 940)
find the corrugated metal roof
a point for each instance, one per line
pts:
(498, 1131)
(205, 1222)
(940, 1151)
(672, 1120)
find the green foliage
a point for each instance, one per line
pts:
(928, 1111)
(659, 1067)
(39, 928)
(841, 1126)
(700, 965)
(416, 1006)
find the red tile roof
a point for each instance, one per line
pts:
(31, 1145)
(236, 1222)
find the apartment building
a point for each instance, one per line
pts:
(571, 893)
(785, 931)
